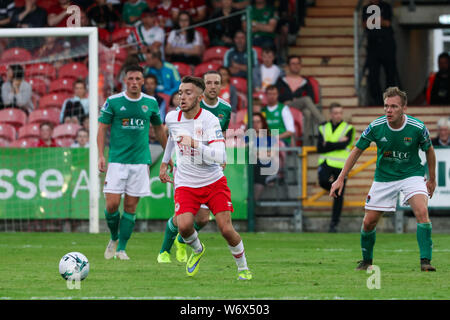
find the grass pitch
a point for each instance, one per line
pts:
(284, 265)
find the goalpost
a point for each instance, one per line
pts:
(92, 85)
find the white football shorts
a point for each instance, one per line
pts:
(383, 195)
(132, 179)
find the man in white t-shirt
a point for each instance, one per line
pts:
(266, 73)
(199, 178)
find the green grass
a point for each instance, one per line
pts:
(284, 265)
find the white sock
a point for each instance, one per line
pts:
(239, 256)
(194, 242)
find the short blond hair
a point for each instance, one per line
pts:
(395, 92)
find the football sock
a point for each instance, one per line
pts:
(126, 229)
(112, 220)
(194, 242)
(169, 236)
(367, 243)
(424, 240)
(238, 253)
(196, 227)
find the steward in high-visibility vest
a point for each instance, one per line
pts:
(337, 156)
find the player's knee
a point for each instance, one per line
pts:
(202, 221)
(369, 224)
(422, 215)
(112, 207)
(227, 230)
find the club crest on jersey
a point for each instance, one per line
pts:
(144, 108)
(368, 198)
(220, 116)
(407, 140)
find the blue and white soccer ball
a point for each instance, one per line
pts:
(74, 266)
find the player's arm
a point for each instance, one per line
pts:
(431, 160)
(101, 135)
(167, 159)
(349, 163)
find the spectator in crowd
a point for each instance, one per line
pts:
(279, 117)
(264, 22)
(380, 51)
(16, 92)
(164, 9)
(296, 91)
(147, 36)
(132, 10)
(257, 108)
(29, 16)
(196, 9)
(235, 58)
(221, 32)
(85, 122)
(82, 139)
(240, 4)
(103, 15)
(336, 138)
(267, 72)
(174, 102)
(57, 14)
(150, 84)
(443, 137)
(290, 16)
(6, 12)
(439, 82)
(184, 44)
(228, 91)
(76, 108)
(45, 133)
(166, 73)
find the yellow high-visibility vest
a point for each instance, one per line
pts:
(336, 158)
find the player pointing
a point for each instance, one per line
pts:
(199, 178)
(398, 138)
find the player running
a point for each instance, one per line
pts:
(222, 110)
(398, 137)
(199, 178)
(129, 115)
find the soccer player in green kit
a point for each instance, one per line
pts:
(129, 114)
(398, 137)
(222, 110)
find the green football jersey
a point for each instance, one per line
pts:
(222, 110)
(397, 149)
(130, 122)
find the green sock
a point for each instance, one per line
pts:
(196, 227)
(126, 229)
(169, 236)
(424, 240)
(367, 243)
(112, 220)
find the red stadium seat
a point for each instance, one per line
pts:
(316, 88)
(4, 143)
(15, 56)
(104, 36)
(120, 35)
(240, 84)
(7, 132)
(25, 143)
(74, 70)
(64, 142)
(45, 70)
(3, 69)
(183, 68)
(261, 96)
(38, 86)
(120, 54)
(62, 85)
(53, 100)
(66, 130)
(240, 116)
(258, 53)
(214, 54)
(200, 69)
(298, 122)
(13, 116)
(242, 101)
(45, 115)
(205, 36)
(30, 130)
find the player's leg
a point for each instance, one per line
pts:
(112, 216)
(368, 237)
(127, 222)
(170, 235)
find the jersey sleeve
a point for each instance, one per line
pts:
(106, 113)
(366, 138)
(424, 140)
(155, 118)
(214, 131)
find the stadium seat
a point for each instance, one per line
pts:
(45, 115)
(166, 98)
(44, 70)
(64, 142)
(15, 56)
(183, 68)
(29, 130)
(316, 88)
(120, 54)
(25, 143)
(240, 116)
(258, 53)
(74, 70)
(7, 132)
(62, 85)
(53, 100)
(38, 86)
(242, 101)
(104, 36)
(120, 35)
(200, 69)
(66, 130)
(214, 54)
(298, 122)
(13, 116)
(205, 36)
(261, 96)
(240, 84)
(3, 69)
(4, 143)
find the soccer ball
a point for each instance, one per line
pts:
(74, 266)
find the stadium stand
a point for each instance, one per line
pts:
(45, 115)
(14, 117)
(200, 69)
(65, 130)
(15, 55)
(7, 132)
(25, 143)
(43, 70)
(53, 100)
(30, 130)
(184, 69)
(73, 70)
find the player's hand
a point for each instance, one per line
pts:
(163, 176)
(170, 166)
(431, 185)
(187, 141)
(102, 164)
(223, 165)
(336, 188)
